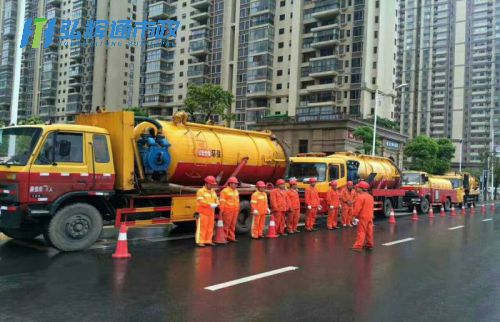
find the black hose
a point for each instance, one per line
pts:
(139, 119)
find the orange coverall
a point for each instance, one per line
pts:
(312, 199)
(347, 196)
(279, 206)
(259, 203)
(230, 209)
(333, 200)
(363, 210)
(205, 223)
(294, 210)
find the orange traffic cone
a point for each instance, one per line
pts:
(463, 210)
(271, 233)
(414, 216)
(431, 213)
(492, 207)
(392, 217)
(443, 214)
(472, 210)
(483, 209)
(122, 244)
(220, 235)
(453, 211)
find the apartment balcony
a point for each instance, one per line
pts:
(48, 93)
(53, 13)
(53, 3)
(48, 84)
(75, 103)
(201, 33)
(9, 28)
(261, 6)
(5, 116)
(201, 17)
(326, 67)
(200, 4)
(322, 87)
(77, 53)
(198, 69)
(325, 38)
(76, 71)
(326, 9)
(158, 100)
(199, 80)
(161, 10)
(199, 48)
(260, 89)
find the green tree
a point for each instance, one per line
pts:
(138, 111)
(31, 121)
(365, 133)
(430, 155)
(386, 123)
(204, 101)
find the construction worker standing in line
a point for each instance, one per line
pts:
(279, 206)
(312, 203)
(348, 198)
(206, 201)
(294, 207)
(260, 208)
(230, 208)
(363, 211)
(333, 201)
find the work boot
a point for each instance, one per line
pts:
(212, 244)
(297, 231)
(356, 249)
(200, 245)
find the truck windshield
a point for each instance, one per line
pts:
(456, 183)
(17, 144)
(302, 171)
(411, 179)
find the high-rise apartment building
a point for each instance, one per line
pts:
(314, 59)
(448, 56)
(72, 77)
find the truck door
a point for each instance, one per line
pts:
(59, 167)
(100, 162)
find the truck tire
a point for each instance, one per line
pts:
(75, 227)
(387, 207)
(244, 222)
(424, 206)
(19, 233)
(447, 204)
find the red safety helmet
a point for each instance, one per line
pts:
(210, 180)
(293, 181)
(232, 180)
(364, 185)
(280, 181)
(313, 180)
(350, 183)
(260, 184)
(333, 183)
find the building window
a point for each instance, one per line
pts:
(282, 3)
(375, 34)
(282, 31)
(303, 146)
(282, 17)
(374, 80)
(280, 45)
(374, 64)
(280, 58)
(375, 49)
(376, 19)
(278, 100)
(278, 86)
(279, 72)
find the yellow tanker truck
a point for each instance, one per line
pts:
(424, 191)
(63, 180)
(466, 186)
(381, 173)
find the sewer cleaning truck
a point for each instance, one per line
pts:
(65, 180)
(381, 173)
(424, 190)
(466, 186)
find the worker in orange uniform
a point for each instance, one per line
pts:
(230, 208)
(363, 211)
(206, 200)
(293, 207)
(279, 206)
(348, 197)
(312, 203)
(333, 202)
(260, 208)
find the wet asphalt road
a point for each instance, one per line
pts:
(442, 274)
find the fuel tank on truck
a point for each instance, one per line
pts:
(199, 150)
(387, 173)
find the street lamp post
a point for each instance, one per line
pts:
(377, 97)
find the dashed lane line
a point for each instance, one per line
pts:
(398, 241)
(456, 227)
(489, 219)
(251, 278)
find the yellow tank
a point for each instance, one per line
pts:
(439, 183)
(385, 169)
(195, 150)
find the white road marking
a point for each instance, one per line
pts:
(489, 219)
(251, 278)
(456, 227)
(398, 241)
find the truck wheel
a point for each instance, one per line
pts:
(21, 233)
(387, 207)
(424, 206)
(75, 227)
(447, 204)
(244, 222)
